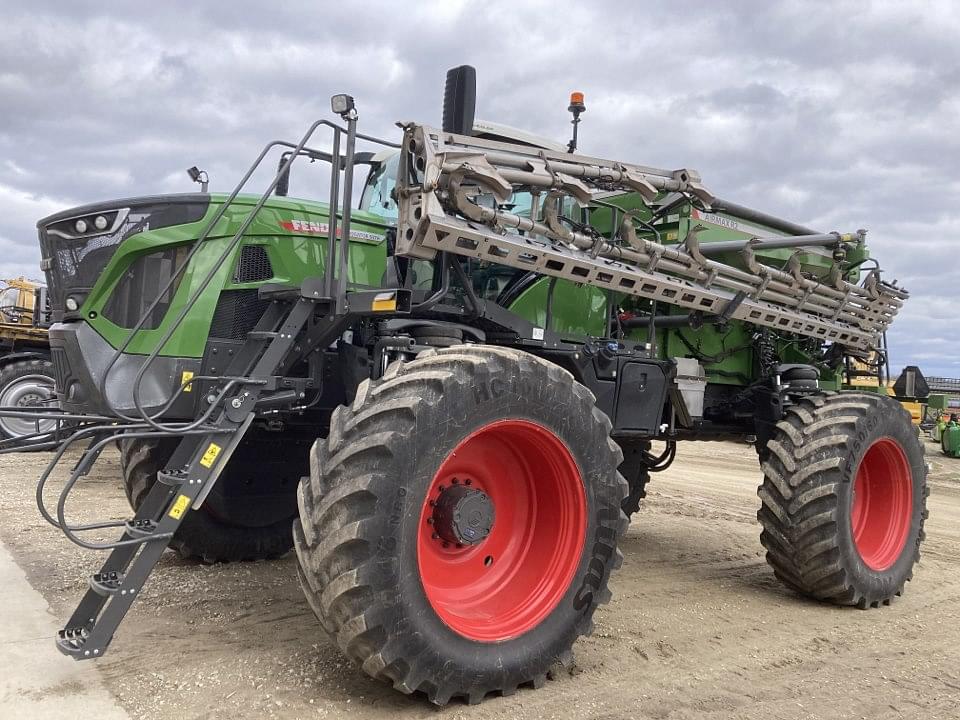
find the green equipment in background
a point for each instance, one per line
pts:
(950, 438)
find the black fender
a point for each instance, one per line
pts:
(11, 358)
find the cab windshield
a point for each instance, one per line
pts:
(377, 195)
(489, 279)
(378, 199)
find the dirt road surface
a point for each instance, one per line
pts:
(698, 627)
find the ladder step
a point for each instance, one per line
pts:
(261, 335)
(70, 641)
(113, 589)
(173, 478)
(106, 583)
(143, 529)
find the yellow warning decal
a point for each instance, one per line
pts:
(180, 506)
(187, 375)
(384, 302)
(210, 455)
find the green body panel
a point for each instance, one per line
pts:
(294, 235)
(875, 389)
(576, 310)
(296, 251)
(950, 440)
(726, 355)
(937, 432)
(731, 348)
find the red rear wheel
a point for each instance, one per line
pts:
(882, 504)
(844, 498)
(501, 530)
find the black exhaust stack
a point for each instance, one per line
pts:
(460, 100)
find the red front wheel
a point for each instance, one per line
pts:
(502, 530)
(459, 529)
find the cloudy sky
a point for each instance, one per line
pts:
(838, 115)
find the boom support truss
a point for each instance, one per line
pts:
(451, 189)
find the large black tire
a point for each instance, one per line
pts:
(363, 531)
(238, 521)
(27, 383)
(844, 498)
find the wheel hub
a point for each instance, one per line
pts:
(463, 515)
(507, 561)
(27, 391)
(30, 400)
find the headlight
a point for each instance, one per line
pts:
(99, 223)
(341, 104)
(71, 304)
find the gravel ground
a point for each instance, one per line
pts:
(698, 627)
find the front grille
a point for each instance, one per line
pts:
(140, 286)
(61, 369)
(75, 264)
(74, 261)
(254, 265)
(237, 313)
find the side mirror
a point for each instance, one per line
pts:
(460, 100)
(364, 158)
(283, 184)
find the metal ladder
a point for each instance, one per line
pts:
(298, 321)
(295, 316)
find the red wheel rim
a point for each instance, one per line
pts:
(882, 504)
(506, 584)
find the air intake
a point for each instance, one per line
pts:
(236, 314)
(254, 265)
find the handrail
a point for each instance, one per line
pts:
(152, 417)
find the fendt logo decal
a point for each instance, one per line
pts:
(309, 227)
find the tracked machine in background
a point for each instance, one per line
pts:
(477, 370)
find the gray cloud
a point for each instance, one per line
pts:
(838, 115)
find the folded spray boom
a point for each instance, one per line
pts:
(452, 192)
